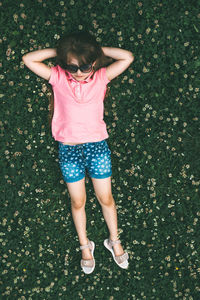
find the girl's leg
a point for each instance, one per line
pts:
(103, 193)
(78, 199)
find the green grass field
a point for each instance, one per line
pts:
(152, 117)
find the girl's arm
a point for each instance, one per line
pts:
(123, 59)
(33, 60)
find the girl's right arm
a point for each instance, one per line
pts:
(33, 60)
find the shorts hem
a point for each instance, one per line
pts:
(74, 179)
(101, 176)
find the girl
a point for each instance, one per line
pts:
(79, 82)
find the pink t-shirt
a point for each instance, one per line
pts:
(78, 107)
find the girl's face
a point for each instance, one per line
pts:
(79, 76)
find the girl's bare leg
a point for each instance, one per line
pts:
(103, 192)
(78, 199)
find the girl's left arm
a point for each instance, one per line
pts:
(123, 60)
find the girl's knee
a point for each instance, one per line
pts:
(77, 193)
(106, 199)
(78, 203)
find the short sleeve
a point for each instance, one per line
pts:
(104, 76)
(55, 74)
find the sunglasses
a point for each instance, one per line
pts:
(74, 68)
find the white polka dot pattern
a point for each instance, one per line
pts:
(91, 157)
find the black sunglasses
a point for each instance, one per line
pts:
(74, 68)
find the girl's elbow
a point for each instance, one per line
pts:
(23, 58)
(131, 57)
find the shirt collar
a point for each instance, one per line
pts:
(69, 76)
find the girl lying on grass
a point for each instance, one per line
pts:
(79, 82)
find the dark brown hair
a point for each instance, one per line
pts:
(84, 47)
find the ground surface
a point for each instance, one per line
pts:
(152, 117)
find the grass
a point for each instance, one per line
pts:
(152, 117)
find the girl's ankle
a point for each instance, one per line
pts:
(84, 242)
(113, 238)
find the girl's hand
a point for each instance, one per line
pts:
(33, 60)
(124, 59)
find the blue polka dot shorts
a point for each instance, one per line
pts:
(76, 160)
